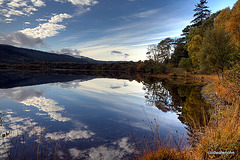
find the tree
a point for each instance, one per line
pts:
(179, 52)
(216, 50)
(208, 23)
(229, 20)
(185, 63)
(161, 52)
(153, 53)
(194, 50)
(193, 32)
(165, 47)
(186, 30)
(233, 25)
(223, 17)
(202, 13)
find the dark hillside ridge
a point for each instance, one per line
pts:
(11, 79)
(19, 79)
(16, 55)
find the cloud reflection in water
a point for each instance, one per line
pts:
(33, 97)
(69, 136)
(47, 105)
(116, 150)
(16, 127)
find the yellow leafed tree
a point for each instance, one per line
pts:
(194, 49)
(233, 25)
(223, 18)
(229, 20)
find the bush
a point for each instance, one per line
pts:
(185, 63)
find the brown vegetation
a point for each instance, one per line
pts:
(220, 134)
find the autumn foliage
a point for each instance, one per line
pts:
(213, 46)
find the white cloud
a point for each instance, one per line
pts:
(44, 30)
(41, 114)
(143, 14)
(80, 2)
(1, 2)
(49, 28)
(83, 2)
(59, 18)
(119, 53)
(8, 20)
(146, 13)
(28, 7)
(17, 3)
(38, 3)
(19, 7)
(11, 12)
(27, 23)
(20, 39)
(68, 51)
(41, 19)
(29, 10)
(82, 10)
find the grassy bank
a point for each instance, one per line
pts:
(221, 134)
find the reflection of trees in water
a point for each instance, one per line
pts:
(195, 112)
(184, 99)
(157, 95)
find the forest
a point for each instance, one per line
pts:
(210, 44)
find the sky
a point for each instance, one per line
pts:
(100, 29)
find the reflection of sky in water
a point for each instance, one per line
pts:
(97, 113)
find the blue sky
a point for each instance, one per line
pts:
(99, 29)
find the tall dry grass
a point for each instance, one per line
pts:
(221, 134)
(170, 148)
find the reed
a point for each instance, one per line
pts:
(220, 135)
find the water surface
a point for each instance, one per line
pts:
(88, 117)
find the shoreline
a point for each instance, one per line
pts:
(220, 135)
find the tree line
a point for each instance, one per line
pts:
(210, 44)
(49, 66)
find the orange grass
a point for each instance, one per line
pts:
(164, 153)
(222, 133)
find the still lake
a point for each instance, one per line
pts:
(90, 117)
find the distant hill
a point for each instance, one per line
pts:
(11, 54)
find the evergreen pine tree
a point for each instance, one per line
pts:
(186, 30)
(202, 13)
